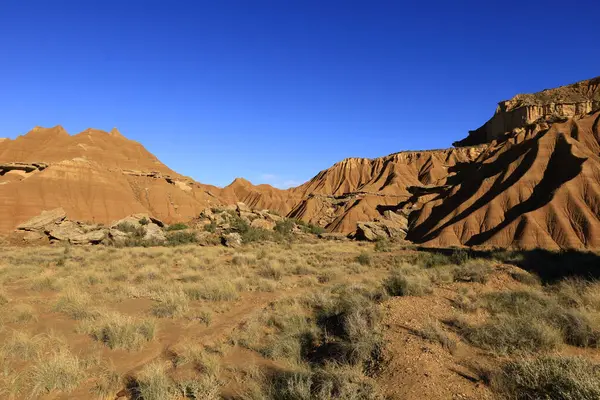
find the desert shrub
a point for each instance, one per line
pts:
(350, 322)
(211, 227)
(465, 300)
(23, 346)
(172, 303)
(309, 228)
(432, 330)
(408, 281)
(46, 283)
(383, 245)
(176, 227)
(518, 302)
(238, 224)
(284, 226)
(144, 221)
(508, 334)
(549, 377)
(363, 259)
(271, 270)
(120, 331)
(205, 387)
(107, 383)
(213, 289)
(252, 234)
(153, 383)
(130, 228)
(578, 326)
(577, 292)
(178, 238)
(472, 271)
(61, 371)
(429, 260)
(334, 382)
(526, 278)
(22, 313)
(76, 305)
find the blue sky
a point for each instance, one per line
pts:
(276, 91)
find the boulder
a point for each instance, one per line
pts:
(207, 214)
(33, 236)
(207, 239)
(153, 232)
(93, 237)
(117, 236)
(248, 216)
(232, 240)
(269, 216)
(371, 231)
(136, 219)
(242, 208)
(376, 230)
(75, 233)
(400, 221)
(44, 219)
(262, 224)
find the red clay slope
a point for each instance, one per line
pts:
(536, 187)
(95, 176)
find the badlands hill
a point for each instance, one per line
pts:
(530, 177)
(94, 176)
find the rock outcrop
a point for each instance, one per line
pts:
(550, 105)
(535, 187)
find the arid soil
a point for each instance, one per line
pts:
(269, 321)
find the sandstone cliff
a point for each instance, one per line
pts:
(577, 99)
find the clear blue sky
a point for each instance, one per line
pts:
(275, 91)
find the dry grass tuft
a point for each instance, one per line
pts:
(120, 331)
(213, 289)
(555, 377)
(76, 305)
(21, 345)
(153, 383)
(171, 304)
(408, 281)
(434, 331)
(60, 371)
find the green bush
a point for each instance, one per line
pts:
(212, 227)
(284, 226)
(176, 227)
(363, 259)
(309, 228)
(178, 238)
(127, 227)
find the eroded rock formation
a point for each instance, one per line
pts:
(578, 99)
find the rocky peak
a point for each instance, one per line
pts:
(575, 100)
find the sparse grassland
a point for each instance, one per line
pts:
(289, 320)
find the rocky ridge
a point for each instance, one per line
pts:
(577, 99)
